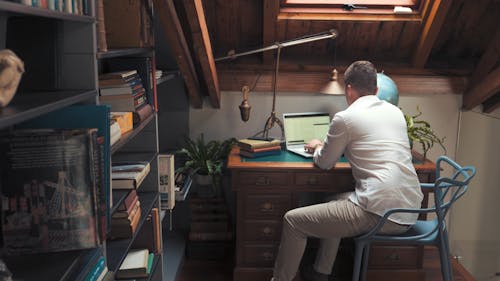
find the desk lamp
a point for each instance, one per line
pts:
(245, 107)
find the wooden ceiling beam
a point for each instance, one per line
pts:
(484, 90)
(174, 34)
(316, 82)
(492, 103)
(203, 48)
(488, 60)
(430, 31)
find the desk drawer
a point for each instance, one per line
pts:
(263, 179)
(269, 206)
(331, 181)
(397, 257)
(262, 231)
(259, 255)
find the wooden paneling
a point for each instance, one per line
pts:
(449, 39)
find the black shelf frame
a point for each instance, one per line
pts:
(125, 138)
(63, 266)
(25, 106)
(114, 53)
(116, 250)
(21, 9)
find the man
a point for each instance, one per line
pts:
(372, 135)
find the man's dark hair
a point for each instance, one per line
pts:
(362, 76)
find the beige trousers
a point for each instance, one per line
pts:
(328, 221)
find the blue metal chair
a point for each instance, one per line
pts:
(429, 232)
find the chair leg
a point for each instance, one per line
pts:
(364, 263)
(358, 258)
(444, 256)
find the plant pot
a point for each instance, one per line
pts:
(204, 186)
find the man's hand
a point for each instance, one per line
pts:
(312, 145)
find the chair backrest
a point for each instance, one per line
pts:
(447, 190)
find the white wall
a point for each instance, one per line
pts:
(440, 110)
(475, 227)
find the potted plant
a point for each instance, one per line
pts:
(419, 131)
(206, 162)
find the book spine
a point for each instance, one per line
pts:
(96, 270)
(101, 27)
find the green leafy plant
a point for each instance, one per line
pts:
(205, 158)
(419, 131)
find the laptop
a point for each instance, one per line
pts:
(300, 128)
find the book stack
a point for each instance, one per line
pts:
(128, 175)
(122, 90)
(210, 233)
(137, 264)
(124, 221)
(257, 148)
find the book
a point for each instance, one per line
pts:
(248, 154)
(101, 28)
(155, 214)
(129, 201)
(144, 66)
(129, 176)
(142, 113)
(127, 215)
(115, 132)
(97, 270)
(124, 75)
(263, 149)
(125, 230)
(48, 187)
(86, 116)
(124, 120)
(122, 102)
(135, 265)
(250, 144)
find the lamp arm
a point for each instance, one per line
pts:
(332, 33)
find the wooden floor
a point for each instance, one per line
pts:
(198, 270)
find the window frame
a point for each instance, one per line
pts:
(332, 10)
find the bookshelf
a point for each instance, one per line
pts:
(62, 65)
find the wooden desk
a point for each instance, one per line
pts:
(266, 190)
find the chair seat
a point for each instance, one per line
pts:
(420, 233)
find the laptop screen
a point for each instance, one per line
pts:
(300, 128)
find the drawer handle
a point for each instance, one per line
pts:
(262, 180)
(267, 207)
(267, 231)
(267, 256)
(312, 180)
(392, 257)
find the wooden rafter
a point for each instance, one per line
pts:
(315, 82)
(430, 31)
(492, 103)
(484, 90)
(488, 60)
(203, 48)
(167, 14)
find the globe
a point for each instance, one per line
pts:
(387, 89)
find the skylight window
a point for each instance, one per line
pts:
(323, 9)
